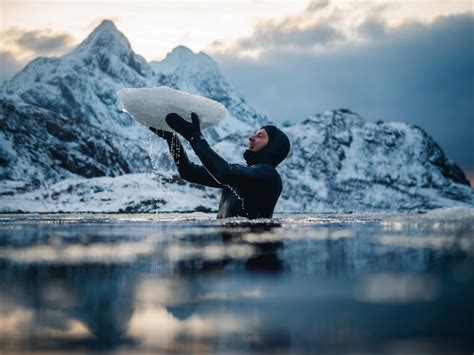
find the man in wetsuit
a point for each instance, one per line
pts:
(250, 191)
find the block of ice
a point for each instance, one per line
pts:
(149, 106)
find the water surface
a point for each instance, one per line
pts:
(186, 283)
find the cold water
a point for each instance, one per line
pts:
(186, 283)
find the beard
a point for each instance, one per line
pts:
(249, 157)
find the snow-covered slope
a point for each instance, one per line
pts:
(145, 192)
(60, 117)
(66, 145)
(339, 161)
(39, 147)
(82, 84)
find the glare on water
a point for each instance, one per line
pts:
(183, 283)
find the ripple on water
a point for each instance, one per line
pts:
(297, 283)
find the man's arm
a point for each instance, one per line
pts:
(187, 170)
(218, 168)
(222, 171)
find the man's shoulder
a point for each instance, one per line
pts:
(266, 169)
(261, 167)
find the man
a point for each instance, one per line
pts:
(250, 191)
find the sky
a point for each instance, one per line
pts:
(406, 60)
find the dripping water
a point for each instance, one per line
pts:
(151, 152)
(241, 199)
(164, 172)
(161, 168)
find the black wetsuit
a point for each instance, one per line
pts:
(247, 191)
(250, 192)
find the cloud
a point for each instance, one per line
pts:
(44, 43)
(373, 27)
(20, 46)
(316, 26)
(321, 26)
(316, 5)
(419, 73)
(38, 42)
(269, 35)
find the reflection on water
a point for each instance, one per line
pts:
(383, 283)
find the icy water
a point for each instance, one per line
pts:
(186, 283)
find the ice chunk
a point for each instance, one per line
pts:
(149, 106)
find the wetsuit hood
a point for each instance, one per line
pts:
(274, 152)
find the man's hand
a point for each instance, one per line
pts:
(187, 129)
(168, 136)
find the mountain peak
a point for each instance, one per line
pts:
(106, 25)
(182, 57)
(181, 52)
(105, 36)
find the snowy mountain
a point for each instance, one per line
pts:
(65, 144)
(341, 162)
(61, 117)
(82, 84)
(48, 108)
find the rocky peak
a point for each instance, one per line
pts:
(84, 82)
(105, 37)
(182, 58)
(180, 52)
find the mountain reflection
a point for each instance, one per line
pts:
(232, 250)
(105, 300)
(99, 296)
(350, 286)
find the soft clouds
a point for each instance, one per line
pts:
(37, 42)
(315, 27)
(322, 25)
(372, 28)
(420, 73)
(43, 43)
(267, 36)
(20, 46)
(316, 5)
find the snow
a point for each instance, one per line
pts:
(150, 106)
(104, 36)
(178, 58)
(126, 193)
